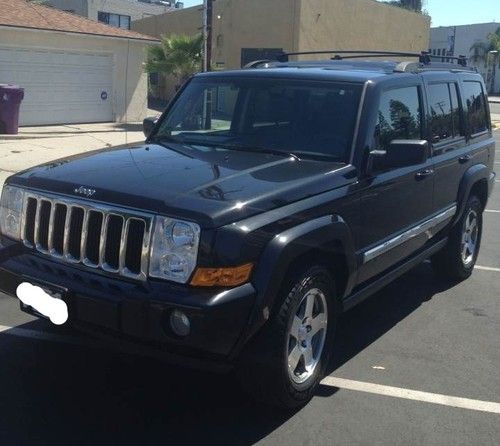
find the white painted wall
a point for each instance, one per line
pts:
(89, 8)
(129, 95)
(133, 8)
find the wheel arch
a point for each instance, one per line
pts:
(474, 181)
(310, 241)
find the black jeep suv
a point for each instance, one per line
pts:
(263, 203)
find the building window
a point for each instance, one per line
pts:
(117, 20)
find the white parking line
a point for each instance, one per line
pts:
(487, 268)
(492, 211)
(415, 395)
(396, 392)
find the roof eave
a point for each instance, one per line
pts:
(31, 28)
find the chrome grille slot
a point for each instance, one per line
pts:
(94, 226)
(29, 228)
(113, 242)
(43, 227)
(95, 236)
(135, 238)
(58, 229)
(75, 233)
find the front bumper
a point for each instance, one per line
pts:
(137, 311)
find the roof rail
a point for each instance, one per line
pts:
(344, 54)
(424, 57)
(258, 63)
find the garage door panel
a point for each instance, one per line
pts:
(60, 87)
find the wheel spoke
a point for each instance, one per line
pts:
(294, 358)
(308, 358)
(464, 237)
(294, 330)
(470, 220)
(310, 305)
(464, 250)
(318, 323)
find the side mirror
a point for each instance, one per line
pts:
(400, 153)
(148, 125)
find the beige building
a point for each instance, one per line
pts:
(72, 69)
(248, 30)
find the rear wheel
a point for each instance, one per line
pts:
(457, 259)
(289, 357)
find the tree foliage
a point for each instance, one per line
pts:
(480, 50)
(413, 5)
(177, 55)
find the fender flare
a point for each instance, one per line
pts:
(285, 248)
(472, 175)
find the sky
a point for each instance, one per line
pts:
(445, 12)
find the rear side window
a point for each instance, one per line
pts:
(444, 112)
(476, 107)
(399, 116)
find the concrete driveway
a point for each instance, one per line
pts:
(36, 145)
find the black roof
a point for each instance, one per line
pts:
(339, 70)
(347, 66)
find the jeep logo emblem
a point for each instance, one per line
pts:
(87, 191)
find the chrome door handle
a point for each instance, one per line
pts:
(424, 174)
(464, 159)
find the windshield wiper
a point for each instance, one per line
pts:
(256, 149)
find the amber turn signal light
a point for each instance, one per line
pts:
(222, 276)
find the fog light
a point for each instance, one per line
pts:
(179, 323)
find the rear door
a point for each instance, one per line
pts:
(446, 133)
(459, 130)
(395, 201)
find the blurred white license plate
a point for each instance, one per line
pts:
(47, 302)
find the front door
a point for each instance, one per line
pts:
(395, 201)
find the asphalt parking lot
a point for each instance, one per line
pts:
(418, 363)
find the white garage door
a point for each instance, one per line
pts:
(60, 87)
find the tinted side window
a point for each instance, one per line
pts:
(445, 112)
(441, 113)
(399, 116)
(458, 127)
(476, 107)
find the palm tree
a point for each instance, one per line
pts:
(481, 52)
(177, 55)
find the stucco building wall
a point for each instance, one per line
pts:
(296, 25)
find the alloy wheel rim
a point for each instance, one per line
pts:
(470, 235)
(306, 336)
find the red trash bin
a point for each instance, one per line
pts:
(10, 101)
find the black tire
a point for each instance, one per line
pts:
(449, 263)
(264, 370)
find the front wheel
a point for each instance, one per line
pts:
(457, 259)
(290, 356)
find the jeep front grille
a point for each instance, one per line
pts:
(96, 236)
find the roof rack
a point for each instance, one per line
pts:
(424, 58)
(344, 54)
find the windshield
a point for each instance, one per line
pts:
(305, 118)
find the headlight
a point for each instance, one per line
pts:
(11, 208)
(174, 249)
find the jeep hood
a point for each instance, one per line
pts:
(210, 185)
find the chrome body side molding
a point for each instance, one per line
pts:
(424, 227)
